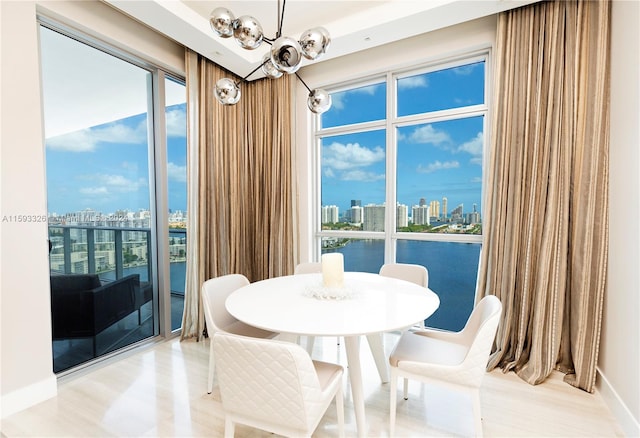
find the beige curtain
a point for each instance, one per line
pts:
(546, 234)
(243, 183)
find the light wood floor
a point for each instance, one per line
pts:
(161, 391)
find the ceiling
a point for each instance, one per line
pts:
(354, 25)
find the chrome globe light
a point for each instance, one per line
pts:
(247, 32)
(314, 42)
(227, 91)
(285, 55)
(268, 68)
(221, 21)
(319, 101)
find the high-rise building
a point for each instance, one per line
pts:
(373, 217)
(434, 209)
(420, 215)
(422, 202)
(444, 208)
(474, 217)
(402, 215)
(356, 203)
(457, 214)
(329, 214)
(355, 214)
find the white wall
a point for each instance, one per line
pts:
(25, 320)
(619, 361)
(26, 360)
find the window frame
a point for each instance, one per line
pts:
(390, 124)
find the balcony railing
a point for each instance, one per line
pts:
(113, 252)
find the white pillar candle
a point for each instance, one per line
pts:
(333, 270)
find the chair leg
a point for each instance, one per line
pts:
(229, 427)
(477, 416)
(212, 368)
(392, 402)
(405, 389)
(340, 411)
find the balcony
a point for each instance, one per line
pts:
(114, 253)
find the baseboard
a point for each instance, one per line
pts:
(28, 396)
(629, 425)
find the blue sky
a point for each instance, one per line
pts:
(98, 156)
(435, 159)
(95, 116)
(106, 167)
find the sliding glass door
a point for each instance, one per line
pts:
(102, 187)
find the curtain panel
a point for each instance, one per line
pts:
(242, 183)
(546, 227)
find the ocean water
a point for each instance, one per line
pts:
(452, 266)
(453, 271)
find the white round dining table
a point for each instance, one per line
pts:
(373, 304)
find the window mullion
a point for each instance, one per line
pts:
(391, 210)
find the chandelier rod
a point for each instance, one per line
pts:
(244, 79)
(280, 18)
(303, 82)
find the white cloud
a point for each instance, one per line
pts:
(176, 172)
(427, 134)
(329, 173)
(338, 100)
(94, 191)
(86, 140)
(361, 175)
(466, 70)
(130, 166)
(349, 156)
(438, 165)
(473, 146)
(176, 120)
(78, 141)
(120, 183)
(413, 82)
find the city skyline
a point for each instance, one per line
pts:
(429, 155)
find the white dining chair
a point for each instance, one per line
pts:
(456, 360)
(214, 293)
(275, 386)
(417, 274)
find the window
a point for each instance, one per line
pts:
(404, 183)
(105, 162)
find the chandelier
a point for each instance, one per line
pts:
(285, 55)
